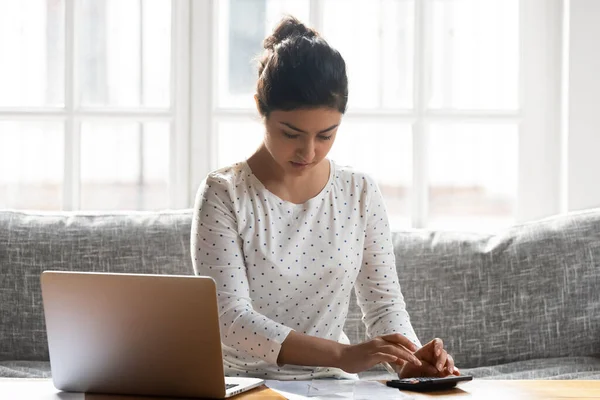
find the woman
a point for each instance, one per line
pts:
(287, 234)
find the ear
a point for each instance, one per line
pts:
(256, 102)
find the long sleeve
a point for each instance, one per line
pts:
(216, 249)
(281, 266)
(377, 288)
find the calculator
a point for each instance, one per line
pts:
(427, 384)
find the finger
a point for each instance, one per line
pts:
(401, 353)
(430, 348)
(398, 346)
(428, 370)
(438, 346)
(384, 357)
(440, 361)
(446, 373)
(456, 371)
(450, 364)
(401, 340)
(380, 341)
(428, 351)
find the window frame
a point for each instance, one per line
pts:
(540, 187)
(72, 114)
(194, 111)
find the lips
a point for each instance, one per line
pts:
(300, 166)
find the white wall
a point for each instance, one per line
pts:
(583, 122)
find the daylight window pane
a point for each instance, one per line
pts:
(32, 52)
(473, 176)
(125, 53)
(31, 165)
(376, 40)
(384, 151)
(237, 140)
(475, 54)
(124, 165)
(242, 27)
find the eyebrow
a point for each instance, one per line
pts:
(300, 130)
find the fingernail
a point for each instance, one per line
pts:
(418, 362)
(451, 370)
(439, 367)
(438, 352)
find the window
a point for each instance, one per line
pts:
(454, 104)
(434, 112)
(90, 104)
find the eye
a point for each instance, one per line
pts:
(325, 137)
(287, 135)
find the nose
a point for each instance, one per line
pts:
(307, 151)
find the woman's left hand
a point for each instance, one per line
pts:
(435, 359)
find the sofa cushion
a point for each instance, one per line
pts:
(530, 292)
(25, 369)
(136, 242)
(547, 368)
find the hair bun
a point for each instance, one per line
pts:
(288, 27)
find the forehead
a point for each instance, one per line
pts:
(309, 120)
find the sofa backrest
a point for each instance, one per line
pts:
(532, 291)
(153, 243)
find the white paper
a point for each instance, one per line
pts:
(364, 390)
(293, 390)
(335, 389)
(331, 388)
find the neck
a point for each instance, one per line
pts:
(271, 171)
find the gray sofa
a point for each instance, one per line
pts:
(521, 304)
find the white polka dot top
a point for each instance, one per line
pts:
(281, 266)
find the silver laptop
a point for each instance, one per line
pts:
(155, 335)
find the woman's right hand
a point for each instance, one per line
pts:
(394, 348)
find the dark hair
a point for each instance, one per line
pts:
(299, 69)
